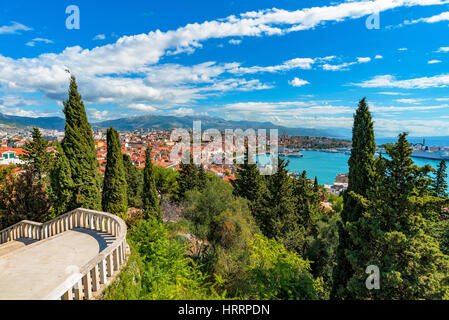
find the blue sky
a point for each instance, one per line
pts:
(294, 63)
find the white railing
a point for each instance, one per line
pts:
(96, 274)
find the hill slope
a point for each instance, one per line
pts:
(43, 122)
(170, 122)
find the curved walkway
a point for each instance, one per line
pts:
(34, 271)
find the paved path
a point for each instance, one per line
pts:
(14, 245)
(31, 272)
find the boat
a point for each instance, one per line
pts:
(431, 155)
(291, 154)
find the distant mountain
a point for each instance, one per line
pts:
(170, 122)
(22, 122)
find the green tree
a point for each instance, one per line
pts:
(79, 148)
(282, 220)
(150, 196)
(134, 182)
(361, 179)
(393, 232)
(158, 268)
(36, 155)
(439, 184)
(316, 186)
(188, 178)
(276, 273)
(115, 197)
(62, 185)
(202, 177)
(307, 202)
(249, 184)
(166, 181)
(23, 198)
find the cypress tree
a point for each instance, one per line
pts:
(316, 186)
(202, 177)
(36, 155)
(188, 178)
(361, 178)
(115, 197)
(134, 181)
(439, 184)
(62, 185)
(151, 205)
(79, 148)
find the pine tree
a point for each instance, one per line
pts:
(316, 186)
(134, 181)
(282, 221)
(115, 197)
(394, 234)
(439, 184)
(36, 155)
(202, 177)
(249, 184)
(150, 198)
(361, 179)
(188, 178)
(307, 198)
(79, 148)
(62, 185)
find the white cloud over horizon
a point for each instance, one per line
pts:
(14, 28)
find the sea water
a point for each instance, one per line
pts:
(325, 166)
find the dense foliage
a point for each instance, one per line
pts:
(195, 236)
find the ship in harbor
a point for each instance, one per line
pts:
(420, 150)
(432, 155)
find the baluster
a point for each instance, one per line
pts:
(109, 265)
(116, 259)
(103, 272)
(68, 295)
(87, 286)
(95, 279)
(78, 290)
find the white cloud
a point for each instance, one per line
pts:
(443, 49)
(14, 28)
(363, 60)
(104, 71)
(99, 37)
(296, 82)
(339, 67)
(345, 66)
(378, 56)
(393, 93)
(297, 63)
(142, 107)
(235, 41)
(444, 16)
(321, 115)
(389, 81)
(182, 112)
(412, 101)
(35, 40)
(433, 61)
(98, 115)
(402, 49)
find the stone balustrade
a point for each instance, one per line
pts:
(95, 275)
